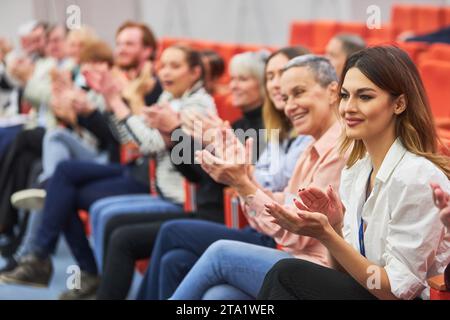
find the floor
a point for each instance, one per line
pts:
(61, 261)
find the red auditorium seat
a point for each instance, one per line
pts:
(439, 51)
(446, 18)
(414, 49)
(438, 290)
(225, 108)
(234, 216)
(403, 18)
(167, 42)
(435, 76)
(226, 50)
(379, 36)
(323, 31)
(428, 19)
(301, 34)
(353, 27)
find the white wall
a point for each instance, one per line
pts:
(12, 14)
(103, 15)
(246, 21)
(254, 21)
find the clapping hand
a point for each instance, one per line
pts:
(301, 222)
(327, 203)
(230, 162)
(311, 217)
(162, 117)
(202, 127)
(441, 198)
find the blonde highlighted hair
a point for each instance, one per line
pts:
(273, 118)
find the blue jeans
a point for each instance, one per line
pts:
(104, 209)
(77, 185)
(29, 238)
(7, 135)
(179, 245)
(229, 270)
(62, 144)
(59, 144)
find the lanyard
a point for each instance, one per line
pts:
(362, 249)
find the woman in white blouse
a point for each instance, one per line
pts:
(390, 239)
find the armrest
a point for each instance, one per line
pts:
(438, 289)
(129, 152)
(152, 176)
(142, 265)
(234, 215)
(84, 217)
(437, 283)
(190, 204)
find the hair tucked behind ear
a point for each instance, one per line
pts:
(392, 70)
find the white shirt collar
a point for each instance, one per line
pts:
(391, 160)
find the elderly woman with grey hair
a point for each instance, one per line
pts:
(236, 269)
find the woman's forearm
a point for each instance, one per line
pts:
(372, 277)
(245, 187)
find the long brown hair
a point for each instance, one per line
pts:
(273, 118)
(391, 69)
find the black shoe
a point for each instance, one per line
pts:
(30, 271)
(88, 288)
(11, 264)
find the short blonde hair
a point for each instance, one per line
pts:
(252, 64)
(85, 34)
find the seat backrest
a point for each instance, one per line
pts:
(323, 31)
(355, 28)
(439, 51)
(403, 17)
(225, 108)
(428, 19)
(446, 16)
(414, 49)
(435, 76)
(301, 34)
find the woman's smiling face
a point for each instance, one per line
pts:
(308, 104)
(366, 109)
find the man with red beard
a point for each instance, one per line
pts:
(136, 48)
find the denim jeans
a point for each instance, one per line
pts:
(29, 238)
(104, 209)
(229, 270)
(7, 135)
(77, 185)
(62, 144)
(179, 245)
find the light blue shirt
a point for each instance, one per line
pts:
(277, 163)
